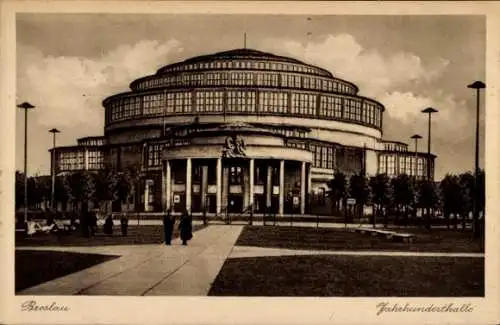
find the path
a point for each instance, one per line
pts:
(148, 269)
(159, 270)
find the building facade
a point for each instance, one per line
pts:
(239, 130)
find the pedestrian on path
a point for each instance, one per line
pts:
(168, 226)
(124, 224)
(108, 225)
(186, 227)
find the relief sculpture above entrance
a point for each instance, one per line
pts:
(234, 147)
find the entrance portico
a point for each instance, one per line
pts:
(233, 172)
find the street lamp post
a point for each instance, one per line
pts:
(429, 111)
(26, 106)
(53, 167)
(478, 85)
(416, 137)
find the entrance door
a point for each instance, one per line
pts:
(235, 203)
(236, 187)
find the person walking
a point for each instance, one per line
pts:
(108, 225)
(124, 224)
(168, 226)
(186, 227)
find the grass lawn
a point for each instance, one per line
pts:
(35, 267)
(439, 240)
(144, 234)
(351, 276)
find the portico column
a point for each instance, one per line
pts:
(303, 188)
(188, 184)
(219, 185)
(204, 185)
(269, 186)
(282, 187)
(168, 185)
(251, 172)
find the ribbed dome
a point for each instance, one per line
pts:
(242, 54)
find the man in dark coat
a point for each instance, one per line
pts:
(108, 226)
(186, 227)
(168, 226)
(84, 223)
(124, 224)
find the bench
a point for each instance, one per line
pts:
(407, 238)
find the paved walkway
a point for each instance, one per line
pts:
(148, 269)
(159, 270)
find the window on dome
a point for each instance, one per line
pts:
(326, 106)
(357, 107)
(306, 82)
(273, 102)
(331, 107)
(303, 104)
(241, 79)
(170, 104)
(153, 104)
(267, 79)
(377, 117)
(209, 101)
(183, 102)
(241, 101)
(213, 79)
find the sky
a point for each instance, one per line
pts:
(68, 63)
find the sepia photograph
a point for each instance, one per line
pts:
(252, 156)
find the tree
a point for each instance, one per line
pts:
(360, 191)
(403, 195)
(61, 192)
(133, 177)
(451, 196)
(38, 190)
(106, 184)
(338, 190)
(81, 188)
(381, 196)
(428, 199)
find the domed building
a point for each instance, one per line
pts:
(239, 130)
